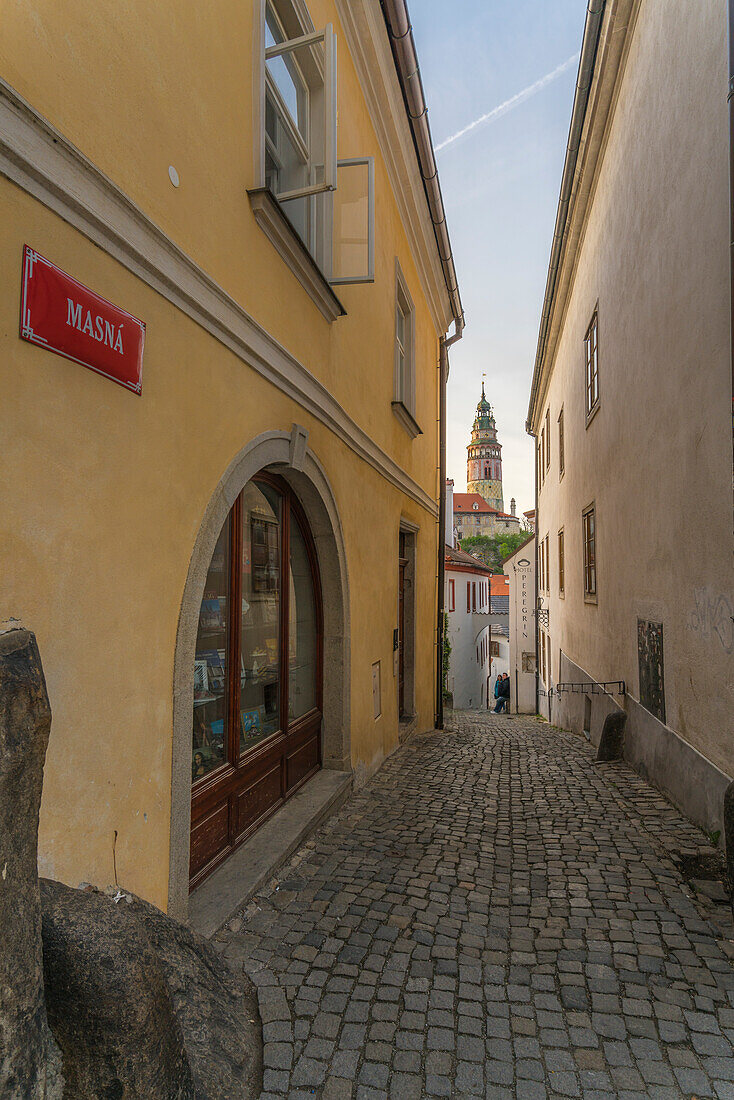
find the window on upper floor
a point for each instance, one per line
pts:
(452, 596)
(591, 353)
(561, 565)
(546, 559)
(561, 447)
(588, 518)
(328, 202)
(542, 455)
(404, 389)
(547, 439)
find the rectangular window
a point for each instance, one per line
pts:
(452, 596)
(542, 455)
(474, 595)
(328, 202)
(591, 348)
(561, 444)
(404, 388)
(546, 558)
(468, 596)
(547, 439)
(561, 565)
(494, 649)
(589, 532)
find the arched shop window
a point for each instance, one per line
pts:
(256, 733)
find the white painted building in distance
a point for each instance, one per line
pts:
(520, 572)
(466, 602)
(499, 643)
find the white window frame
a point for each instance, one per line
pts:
(369, 277)
(308, 38)
(404, 380)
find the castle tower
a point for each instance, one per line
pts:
(484, 457)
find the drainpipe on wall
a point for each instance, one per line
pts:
(400, 33)
(730, 99)
(443, 367)
(729, 792)
(535, 586)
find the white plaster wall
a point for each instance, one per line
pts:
(656, 459)
(467, 678)
(521, 572)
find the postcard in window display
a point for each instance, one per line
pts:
(211, 619)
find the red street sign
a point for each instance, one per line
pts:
(61, 315)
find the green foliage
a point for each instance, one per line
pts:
(714, 838)
(446, 652)
(492, 551)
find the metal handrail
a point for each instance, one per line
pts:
(606, 687)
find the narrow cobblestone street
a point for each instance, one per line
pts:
(493, 915)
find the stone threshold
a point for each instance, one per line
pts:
(257, 860)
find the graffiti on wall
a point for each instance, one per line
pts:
(712, 618)
(652, 673)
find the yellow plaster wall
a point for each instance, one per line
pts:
(138, 86)
(103, 492)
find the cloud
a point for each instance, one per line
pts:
(512, 102)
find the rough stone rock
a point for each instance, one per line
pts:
(611, 742)
(29, 1060)
(142, 1007)
(710, 888)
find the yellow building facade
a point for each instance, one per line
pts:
(139, 152)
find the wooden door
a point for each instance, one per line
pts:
(258, 672)
(402, 564)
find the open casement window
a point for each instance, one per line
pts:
(404, 345)
(353, 234)
(300, 110)
(329, 203)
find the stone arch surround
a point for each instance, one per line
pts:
(288, 455)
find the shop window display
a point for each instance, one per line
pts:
(257, 671)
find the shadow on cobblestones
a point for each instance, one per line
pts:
(492, 916)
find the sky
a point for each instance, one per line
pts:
(499, 79)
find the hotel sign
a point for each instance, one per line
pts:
(63, 316)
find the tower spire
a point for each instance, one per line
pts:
(484, 457)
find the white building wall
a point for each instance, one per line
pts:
(468, 634)
(520, 569)
(655, 458)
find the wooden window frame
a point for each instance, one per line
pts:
(452, 594)
(591, 367)
(547, 439)
(591, 567)
(561, 564)
(561, 446)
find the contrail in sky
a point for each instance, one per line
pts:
(513, 101)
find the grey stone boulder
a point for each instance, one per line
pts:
(29, 1060)
(141, 1006)
(611, 742)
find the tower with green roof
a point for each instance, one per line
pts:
(484, 457)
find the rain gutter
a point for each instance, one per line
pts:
(400, 33)
(592, 33)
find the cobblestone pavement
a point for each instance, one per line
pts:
(491, 916)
